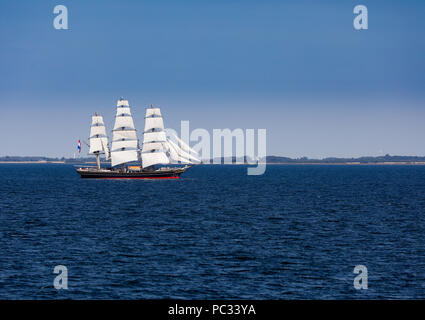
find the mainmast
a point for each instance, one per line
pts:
(124, 137)
(98, 139)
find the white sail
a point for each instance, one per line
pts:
(124, 122)
(156, 136)
(119, 145)
(154, 123)
(184, 146)
(120, 157)
(152, 146)
(97, 120)
(174, 155)
(95, 145)
(97, 131)
(122, 102)
(124, 139)
(123, 111)
(125, 134)
(153, 112)
(98, 138)
(182, 154)
(153, 158)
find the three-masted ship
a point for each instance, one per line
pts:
(125, 154)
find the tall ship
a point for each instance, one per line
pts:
(125, 153)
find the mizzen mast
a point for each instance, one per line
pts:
(154, 137)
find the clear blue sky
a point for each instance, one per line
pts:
(296, 68)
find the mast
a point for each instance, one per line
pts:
(125, 144)
(98, 139)
(154, 137)
(157, 148)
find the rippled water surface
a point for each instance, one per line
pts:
(295, 232)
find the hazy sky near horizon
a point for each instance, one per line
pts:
(297, 68)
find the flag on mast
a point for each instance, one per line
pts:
(79, 146)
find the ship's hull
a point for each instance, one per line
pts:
(90, 173)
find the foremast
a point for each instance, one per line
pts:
(98, 139)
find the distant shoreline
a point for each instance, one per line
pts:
(269, 160)
(405, 163)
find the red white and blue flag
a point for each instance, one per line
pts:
(79, 146)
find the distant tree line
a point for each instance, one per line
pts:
(269, 159)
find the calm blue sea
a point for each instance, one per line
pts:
(295, 232)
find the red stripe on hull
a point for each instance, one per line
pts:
(122, 178)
